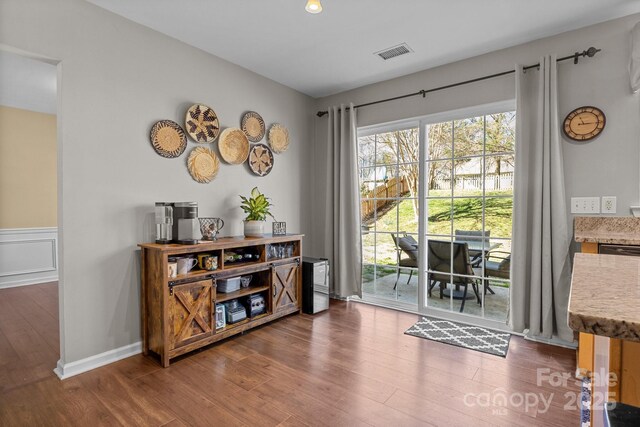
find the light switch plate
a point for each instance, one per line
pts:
(586, 205)
(608, 204)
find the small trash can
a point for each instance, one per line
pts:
(315, 285)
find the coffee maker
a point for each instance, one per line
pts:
(186, 228)
(177, 222)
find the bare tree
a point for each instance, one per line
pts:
(468, 138)
(403, 145)
(445, 156)
(439, 147)
(500, 138)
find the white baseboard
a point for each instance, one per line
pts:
(28, 256)
(551, 341)
(27, 282)
(67, 370)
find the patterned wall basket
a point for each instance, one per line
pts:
(233, 146)
(203, 164)
(260, 160)
(168, 138)
(253, 126)
(278, 138)
(202, 123)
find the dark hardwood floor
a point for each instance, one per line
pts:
(349, 366)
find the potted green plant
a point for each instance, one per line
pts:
(257, 209)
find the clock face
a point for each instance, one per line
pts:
(584, 123)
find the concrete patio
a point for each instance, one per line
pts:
(496, 305)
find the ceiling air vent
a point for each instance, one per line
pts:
(394, 51)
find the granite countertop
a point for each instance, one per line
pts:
(622, 230)
(605, 296)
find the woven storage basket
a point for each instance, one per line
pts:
(233, 146)
(203, 164)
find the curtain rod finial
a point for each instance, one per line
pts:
(592, 51)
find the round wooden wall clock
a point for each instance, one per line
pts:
(584, 123)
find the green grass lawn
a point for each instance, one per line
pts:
(467, 215)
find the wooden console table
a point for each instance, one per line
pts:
(178, 314)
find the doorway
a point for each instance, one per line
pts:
(29, 218)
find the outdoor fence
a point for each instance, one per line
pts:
(391, 188)
(493, 181)
(381, 196)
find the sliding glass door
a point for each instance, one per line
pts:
(389, 179)
(468, 203)
(436, 207)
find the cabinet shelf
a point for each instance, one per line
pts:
(242, 322)
(221, 297)
(240, 264)
(278, 260)
(201, 274)
(193, 274)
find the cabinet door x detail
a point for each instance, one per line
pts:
(285, 289)
(191, 310)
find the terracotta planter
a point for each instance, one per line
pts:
(254, 228)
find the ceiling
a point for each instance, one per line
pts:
(333, 51)
(27, 83)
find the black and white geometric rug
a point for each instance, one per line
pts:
(461, 335)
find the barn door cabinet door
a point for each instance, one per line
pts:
(285, 286)
(190, 312)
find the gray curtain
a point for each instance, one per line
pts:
(540, 268)
(343, 245)
(634, 62)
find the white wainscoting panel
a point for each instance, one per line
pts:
(28, 256)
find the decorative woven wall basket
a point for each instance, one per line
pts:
(260, 160)
(203, 164)
(168, 138)
(202, 123)
(253, 126)
(278, 138)
(233, 146)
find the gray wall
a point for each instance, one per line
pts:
(117, 79)
(607, 166)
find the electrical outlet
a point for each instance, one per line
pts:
(588, 205)
(608, 204)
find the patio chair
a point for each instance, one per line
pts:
(500, 268)
(440, 265)
(474, 238)
(407, 244)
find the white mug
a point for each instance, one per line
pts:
(186, 264)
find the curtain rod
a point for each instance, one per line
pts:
(589, 52)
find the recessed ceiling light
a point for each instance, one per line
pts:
(313, 6)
